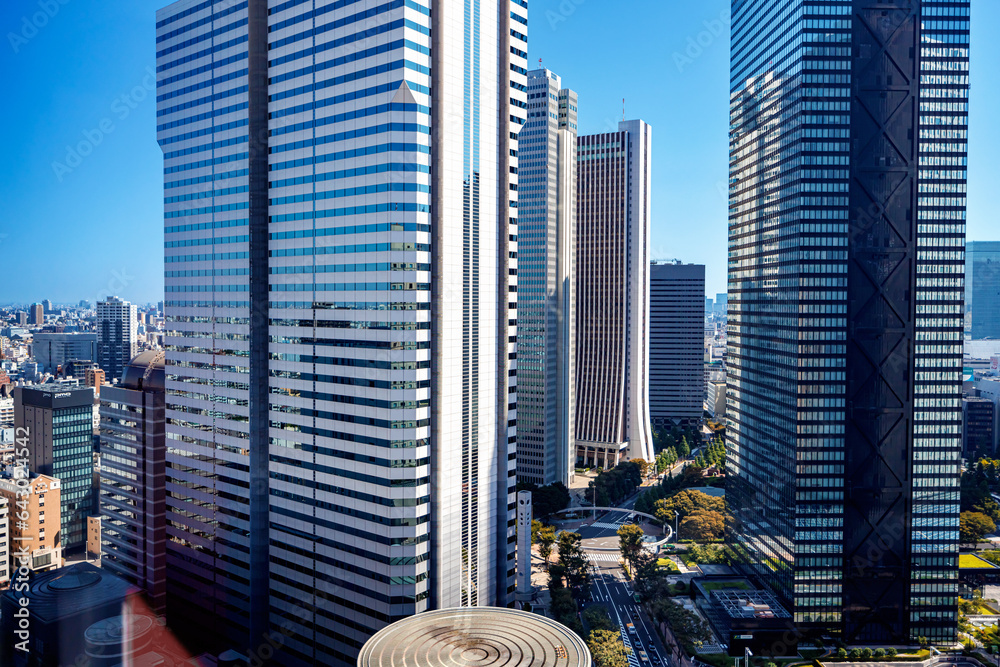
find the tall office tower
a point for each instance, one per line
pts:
(341, 299)
(676, 344)
(22, 318)
(52, 350)
(117, 335)
(47, 306)
(60, 424)
(37, 313)
(133, 467)
(612, 295)
(982, 288)
(847, 225)
(545, 326)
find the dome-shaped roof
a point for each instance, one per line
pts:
(145, 372)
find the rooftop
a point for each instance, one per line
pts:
(475, 636)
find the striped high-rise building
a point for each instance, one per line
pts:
(612, 295)
(546, 307)
(341, 247)
(846, 239)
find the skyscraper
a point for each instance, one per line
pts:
(60, 424)
(676, 344)
(545, 323)
(612, 295)
(847, 224)
(52, 350)
(340, 306)
(37, 313)
(133, 483)
(982, 288)
(117, 335)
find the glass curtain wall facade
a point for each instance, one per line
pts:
(546, 245)
(341, 268)
(847, 209)
(982, 289)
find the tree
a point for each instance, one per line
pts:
(974, 527)
(703, 526)
(866, 654)
(879, 653)
(842, 653)
(630, 542)
(855, 654)
(644, 466)
(891, 653)
(536, 526)
(546, 538)
(686, 502)
(572, 557)
(598, 618)
(607, 649)
(684, 449)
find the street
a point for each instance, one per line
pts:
(610, 588)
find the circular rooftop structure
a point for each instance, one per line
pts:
(145, 372)
(475, 637)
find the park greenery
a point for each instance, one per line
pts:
(611, 487)
(545, 537)
(546, 500)
(668, 486)
(980, 513)
(714, 456)
(699, 516)
(607, 649)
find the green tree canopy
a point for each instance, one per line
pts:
(607, 649)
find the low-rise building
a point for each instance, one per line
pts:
(38, 537)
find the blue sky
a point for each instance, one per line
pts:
(81, 226)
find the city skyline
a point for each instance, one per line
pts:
(75, 84)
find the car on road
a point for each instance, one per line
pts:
(643, 658)
(655, 658)
(631, 629)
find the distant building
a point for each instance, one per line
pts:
(37, 537)
(982, 288)
(94, 537)
(95, 378)
(117, 335)
(37, 313)
(60, 423)
(545, 309)
(676, 344)
(52, 350)
(978, 418)
(721, 304)
(47, 306)
(715, 399)
(6, 412)
(612, 296)
(22, 318)
(133, 468)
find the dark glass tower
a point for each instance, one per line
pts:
(847, 225)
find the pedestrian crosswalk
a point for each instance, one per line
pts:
(604, 557)
(602, 524)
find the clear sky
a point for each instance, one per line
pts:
(78, 226)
